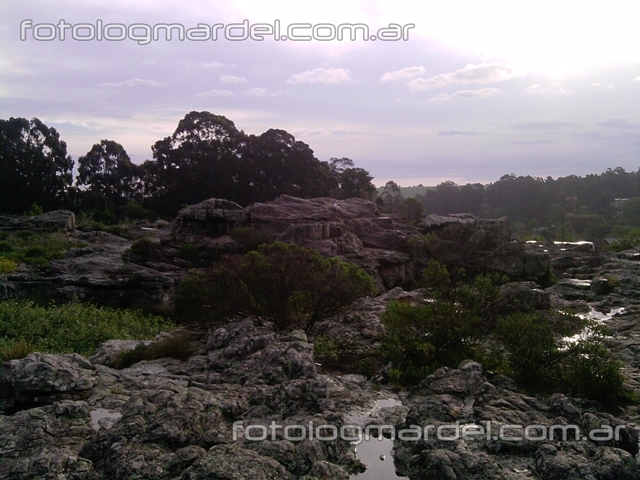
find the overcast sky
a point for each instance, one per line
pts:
(477, 89)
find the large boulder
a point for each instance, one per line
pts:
(56, 221)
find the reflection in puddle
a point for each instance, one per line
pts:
(373, 452)
(101, 417)
(598, 317)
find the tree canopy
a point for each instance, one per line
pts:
(34, 166)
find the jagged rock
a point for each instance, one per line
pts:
(41, 378)
(56, 221)
(451, 398)
(97, 274)
(109, 351)
(526, 294)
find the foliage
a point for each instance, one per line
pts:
(34, 210)
(27, 247)
(178, 347)
(292, 286)
(250, 238)
(463, 315)
(107, 170)
(73, 327)
(34, 166)
(14, 350)
(6, 265)
(144, 249)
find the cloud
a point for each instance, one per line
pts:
(483, 73)
(480, 93)
(408, 72)
(211, 64)
(545, 125)
(136, 82)
(619, 123)
(554, 88)
(215, 93)
(597, 84)
(637, 79)
(263, 92)
(458, 132)
(232, 79)
(321, 75)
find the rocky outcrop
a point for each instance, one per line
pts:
(56, 221)
(451, 399)
(354, 229)
(167, 419)
(97, 273)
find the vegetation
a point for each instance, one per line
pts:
(33, 249)
(178, 347)
(292, 286)
(74, 327)
(470, 320)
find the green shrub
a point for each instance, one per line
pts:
(120, 231)
(590, 370)
(145, 249)
(5, 247)
(3, 235)
(531, 345)
(12, 350)
(178, 347)
(24, 234)
(34, 210)
(250, 238)
(293, 286)
(73, 327)
(6, 265)
(445, 331)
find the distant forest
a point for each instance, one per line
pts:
(207, 156)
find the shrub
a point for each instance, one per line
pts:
(10, 350)
(5, 247)
(530, 353)
(144, 249)
(74, 327)
(178, 347)
(6, 265)
(295, 287)
(250, 238)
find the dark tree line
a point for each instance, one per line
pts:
(525, 197)
(206, 157)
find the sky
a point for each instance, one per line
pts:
(462, 90)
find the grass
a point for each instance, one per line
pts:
(177, 347)
(33, 249)
(73, 327)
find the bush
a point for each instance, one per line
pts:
(144, 249)
(250, 238)
(178, 347)
(10, 350)
(6, 265)
(74, 327)
(27, 247)
(295, 287)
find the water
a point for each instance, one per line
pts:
(373, 452)
(598, 317)
(108, 418)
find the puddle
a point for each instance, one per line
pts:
(101, 417)
(373, 452)
(599, 317)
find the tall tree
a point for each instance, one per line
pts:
(34, 166)
(107, 170)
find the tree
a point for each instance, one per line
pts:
(107, 169)
(199, 161)
(351, 181)
(391, 199)
(34, 166)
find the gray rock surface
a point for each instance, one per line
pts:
(56, 221)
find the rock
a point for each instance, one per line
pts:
(56, 221)
(41, 378)
(527, 295)
(109, 351)
(455, 397)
